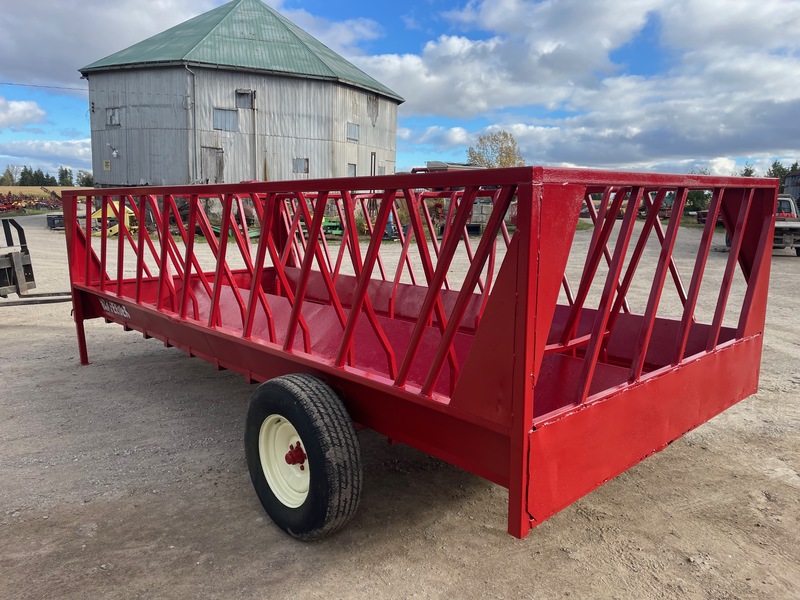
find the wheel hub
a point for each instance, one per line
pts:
(286, 472)
(296, 456)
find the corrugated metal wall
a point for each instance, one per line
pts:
(292, 118)
(151, 138)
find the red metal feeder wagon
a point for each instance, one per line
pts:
(476, 350)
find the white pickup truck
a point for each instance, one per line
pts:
(787, 225)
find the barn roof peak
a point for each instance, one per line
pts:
(243, 35)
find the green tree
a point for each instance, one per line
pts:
(26, 177)
(748, 170)
(699, 199)
(497, 149)
(7, 178)
(778, 171)
(65, 177)
(84, 179)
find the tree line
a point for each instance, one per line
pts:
(27, 176)
(777, 170)
(700, 199)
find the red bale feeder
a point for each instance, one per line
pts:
(544, 368)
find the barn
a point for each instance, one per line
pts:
(238, 93)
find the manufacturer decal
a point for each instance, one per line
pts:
(115, 309)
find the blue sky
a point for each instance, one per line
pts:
(657, 85)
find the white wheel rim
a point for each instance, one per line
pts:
(285, 466)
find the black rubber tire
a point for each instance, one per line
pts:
(727, 240)
(331, 446)
(797, 250)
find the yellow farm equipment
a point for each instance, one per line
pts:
(112, 219)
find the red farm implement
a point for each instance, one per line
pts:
(545, 359)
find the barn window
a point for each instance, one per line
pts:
(352, 132)
(113, 117)
(245, 98)
(226, 119)
(299, 165)
(382, 170)
(351, 170)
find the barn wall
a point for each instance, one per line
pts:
(152, 130)
(295, 118)
(292, 118)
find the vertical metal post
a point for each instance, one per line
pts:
(531, 196)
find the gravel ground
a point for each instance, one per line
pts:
(126, 479)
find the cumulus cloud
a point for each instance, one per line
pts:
(716, 26)
(536, 54)
(49, 154)
(18, 114)
(47, 43)
(725, 92)
(343, 37)
(444, 137)
(459, 77)
(722, 165)
(75, 34)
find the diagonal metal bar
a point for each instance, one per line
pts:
(612, 282)
(471, 279)
(361, 296)
(644, 236)
(433, 299)
(673, 269)
(730, 270)
(600, 238)
(664, 260)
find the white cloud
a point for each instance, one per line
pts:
(49, 154)
(445, 137)
(410, 21)
(341, 36)
(726, 92)
(538, 53)
(77, 33)
(456, 76)
(17, 114)
(48, 42)
(730, 26)
(722, 165)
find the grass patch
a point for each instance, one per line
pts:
(691, 222)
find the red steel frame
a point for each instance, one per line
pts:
(488, 371)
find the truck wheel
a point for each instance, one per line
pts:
(303, 456)
(727, 240)
(797, 250)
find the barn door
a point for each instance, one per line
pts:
(212, 165)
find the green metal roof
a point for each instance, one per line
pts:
(243, 34)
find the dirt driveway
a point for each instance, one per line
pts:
(126, 479)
